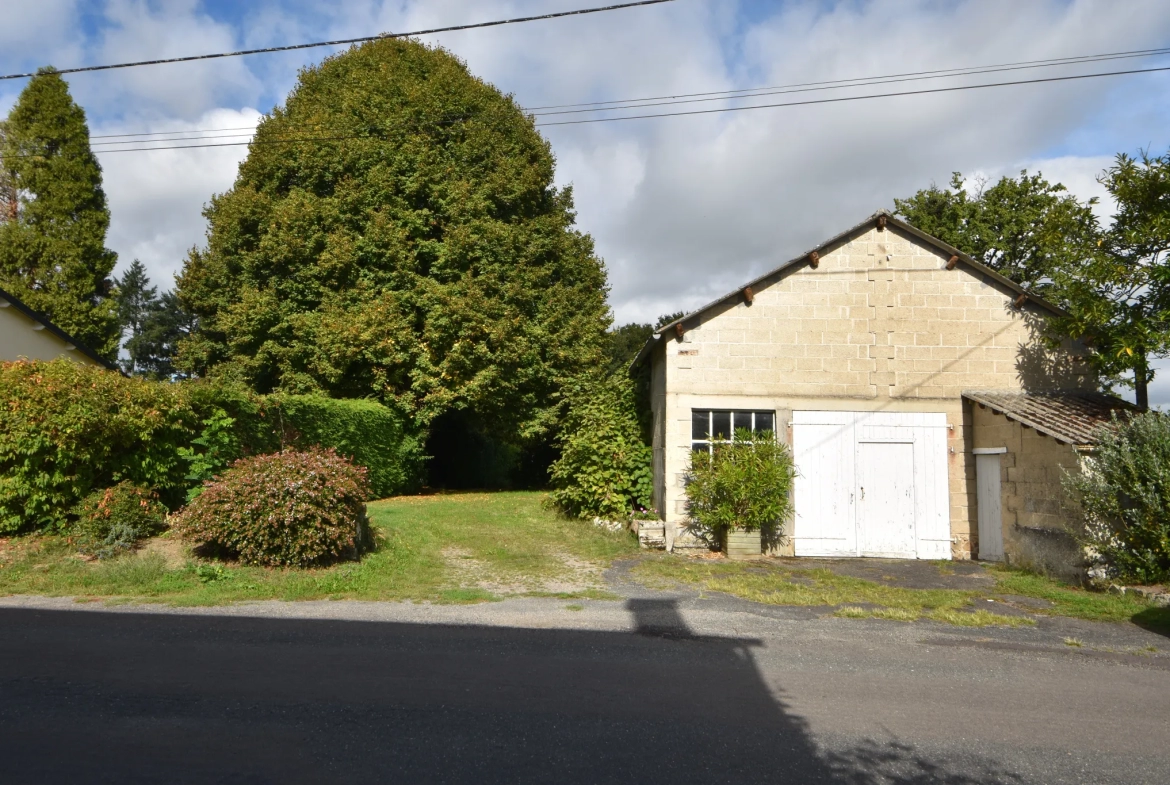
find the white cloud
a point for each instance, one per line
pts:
(156, 199)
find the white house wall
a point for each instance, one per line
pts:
(21, 338)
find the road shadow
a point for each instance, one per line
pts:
(137, 697)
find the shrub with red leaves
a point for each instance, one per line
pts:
(288, 509)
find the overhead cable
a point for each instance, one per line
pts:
(842, 99)
(744, 93)
(346, 41)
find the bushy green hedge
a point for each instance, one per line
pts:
(1124, 494)
(741, 484)
(605, 468)
(67, 429)
(366, 432)
(287, 509)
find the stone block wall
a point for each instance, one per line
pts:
(879, 324)
(1037, 526)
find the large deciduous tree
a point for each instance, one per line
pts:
(52, 242)
(395, 232)
(1118, 298)
(1023, 228)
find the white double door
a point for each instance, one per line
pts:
(871, 484)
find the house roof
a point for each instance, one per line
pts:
(804, 259)
(38, 317)
(1070, 417)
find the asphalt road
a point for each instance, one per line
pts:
(652, 689)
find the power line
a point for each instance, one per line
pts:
(748, 92)
(809, 102)
(842, 99)
(763, 92)
(966, 71)
(345, 41)
(187, 131)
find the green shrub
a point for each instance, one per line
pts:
(605, 469)
(287, 509)
(68, 428)
(742, 484)
(1124, 496)
(255, 420)
(112, 520)
(366, 432)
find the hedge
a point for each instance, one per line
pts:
(605, 469)
(366, 432)
(68, 429)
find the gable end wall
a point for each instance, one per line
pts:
(880, 324)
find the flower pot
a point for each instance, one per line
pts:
(738, 544)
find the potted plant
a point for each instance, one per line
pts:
(738, 494)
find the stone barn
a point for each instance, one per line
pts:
(880, 357)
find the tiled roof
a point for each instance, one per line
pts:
(1067, 416)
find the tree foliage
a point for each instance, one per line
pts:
(52, 247)
(605, 469)
(416, 250)
(154, 347)
(9, 201)
(624, 344)
(1023, 228)
(1124, 495)
(152, 325)
(1118, 297)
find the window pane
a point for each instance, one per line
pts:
(764, 421)
(699, 447)
(741, 420)
(720, 425)
(700, 423)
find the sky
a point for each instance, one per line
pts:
(682, 209)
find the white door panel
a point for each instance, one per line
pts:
(885, 499)
(901, 460)
(825, 521)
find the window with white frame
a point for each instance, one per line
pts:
(711, 425)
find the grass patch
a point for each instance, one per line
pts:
(979, 618)
(510, 538)
(774, 584)
(575, 607)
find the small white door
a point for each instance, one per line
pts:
(885, 494)
(987, 499)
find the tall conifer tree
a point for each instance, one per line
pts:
(53, 254)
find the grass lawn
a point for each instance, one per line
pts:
(772, 583)
(473, 547)
(447, 548)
